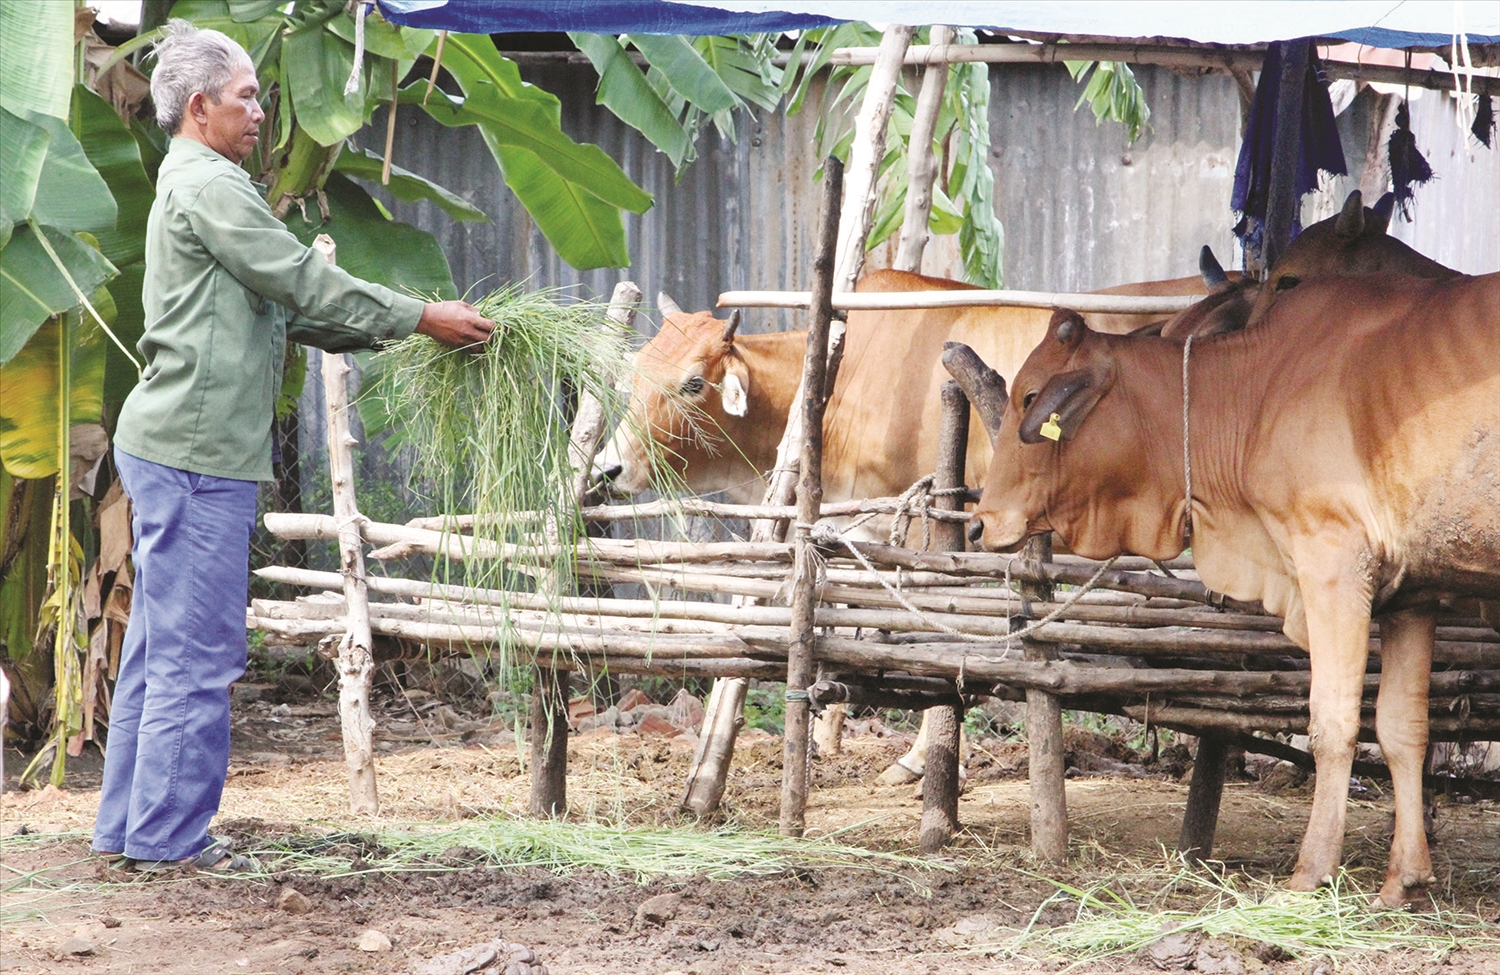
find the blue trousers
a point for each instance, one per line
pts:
(167, 753)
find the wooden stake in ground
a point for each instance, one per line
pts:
(355, 662)
(940, 780)
(799, 667)
(1044, 740)
(1201, 818)
(549, 692)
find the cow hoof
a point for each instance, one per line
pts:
(1396, 896)
(898, 774)
(1411, 894)
(1306, 881)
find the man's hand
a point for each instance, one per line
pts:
(455, 323)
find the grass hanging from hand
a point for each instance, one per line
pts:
(490, 425)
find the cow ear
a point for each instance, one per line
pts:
(734, 391)
(1351, 220)
(1383, 208)
(1067, 325)
(1070, 396)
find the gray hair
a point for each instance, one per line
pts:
(190, 60)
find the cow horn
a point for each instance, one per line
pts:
(667, 306)
(1067, 325)
(1383, 208)
(1351, 220)
(1211, 269)
(732, 326)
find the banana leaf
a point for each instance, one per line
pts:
(624, 90)
(36, 74)
(114, 154)
(373, 246)
(406, 185)
(32, 290)
(23, 148)
(70, 195)
(29, 420)
(315, 64)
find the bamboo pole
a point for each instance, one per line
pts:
(801, 645)
(940, 775)
(356, 665)
(921, 164)
(1242, 59)
(674, 507)
(849, 300)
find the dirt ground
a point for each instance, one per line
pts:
(436, 765)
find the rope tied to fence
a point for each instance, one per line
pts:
(823, 533)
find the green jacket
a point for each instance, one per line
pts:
(221, 271)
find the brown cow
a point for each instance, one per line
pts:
(716, 403)
(1350, 243)
(1345, 461)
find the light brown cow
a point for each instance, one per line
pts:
(1345, 459)
(715, 403)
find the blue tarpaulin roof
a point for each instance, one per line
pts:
(1377, 23)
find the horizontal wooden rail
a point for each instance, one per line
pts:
(1223, 59)
(882, 300)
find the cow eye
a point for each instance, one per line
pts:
(1287, 281)
(691, 386)
(1026, 403)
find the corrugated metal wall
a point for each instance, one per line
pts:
(1080, 207)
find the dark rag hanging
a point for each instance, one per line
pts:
(1484, 120)
(1408, 166)
(1318, 147)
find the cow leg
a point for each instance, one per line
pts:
(913, 765)
(1337, 601)
(828, 729)
(1401, 725)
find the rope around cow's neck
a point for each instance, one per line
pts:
(1187, 460)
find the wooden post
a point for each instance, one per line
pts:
(1044, 738)
(799, 667)
(549, 741)
(549, 693)
(984, 387)
(1282, 201)
(921, 164)
(355, 663)
(723, 717)
(1201, 818)
(940, 782)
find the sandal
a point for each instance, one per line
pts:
(216, 857)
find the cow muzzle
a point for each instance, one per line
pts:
(994, 531)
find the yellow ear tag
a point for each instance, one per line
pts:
(1051, 430)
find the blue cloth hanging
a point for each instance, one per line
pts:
(1318, 148)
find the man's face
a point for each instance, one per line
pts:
(231, 126)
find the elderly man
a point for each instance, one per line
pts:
(194, 437)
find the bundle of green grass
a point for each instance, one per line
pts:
(490, 425)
